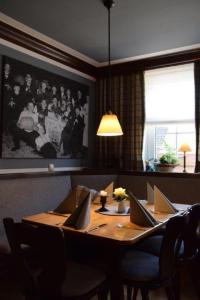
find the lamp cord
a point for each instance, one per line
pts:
(109, 66)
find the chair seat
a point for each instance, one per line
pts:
(81, 279)
(140, 266)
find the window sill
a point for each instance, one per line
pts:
(161, 174)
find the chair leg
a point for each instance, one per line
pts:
(194, 276)
(129, 292)
(170, 292)
(145, 294)
(135, 293)
(29, 297)
(103, 295)
(176, 285)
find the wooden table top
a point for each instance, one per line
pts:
(117, 229)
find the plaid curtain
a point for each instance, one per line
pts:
(128, 103)
(197, 112)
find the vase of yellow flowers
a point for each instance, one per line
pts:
(120, 196)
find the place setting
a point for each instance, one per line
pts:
(145, 213)
(76, 208)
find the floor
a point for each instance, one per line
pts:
(10, 292)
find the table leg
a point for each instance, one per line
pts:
(115, 274)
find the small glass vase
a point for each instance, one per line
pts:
(121, 208)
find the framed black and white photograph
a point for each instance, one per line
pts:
(44, 115)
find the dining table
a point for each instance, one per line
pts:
(112, 233)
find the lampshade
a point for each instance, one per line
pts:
(109, 126)
(184, 148)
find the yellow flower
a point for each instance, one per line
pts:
(120, 194)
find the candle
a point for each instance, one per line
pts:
(103, 193)
(51, 167)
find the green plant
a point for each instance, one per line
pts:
(169, 157)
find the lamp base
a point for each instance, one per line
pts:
(102, 209)
(184, 163)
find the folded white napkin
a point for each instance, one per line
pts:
(138, 214)
(162, 203)
(74, 199)
(150, 194)
(109, 190)
(82, 191)
(80, 218)
(68, 204)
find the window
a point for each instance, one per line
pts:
(170, 112)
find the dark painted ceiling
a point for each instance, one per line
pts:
(138, 26)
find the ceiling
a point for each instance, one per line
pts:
(138, 27)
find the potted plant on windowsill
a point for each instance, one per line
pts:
(167, 161)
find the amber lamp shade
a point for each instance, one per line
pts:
(184, 148)
(109, 126)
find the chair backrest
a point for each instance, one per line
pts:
(46, 241)
(170, 246)
(190, 234)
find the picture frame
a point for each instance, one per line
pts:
(44, 115)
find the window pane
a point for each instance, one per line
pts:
(169, 94)
(170, 111)
(156, 136)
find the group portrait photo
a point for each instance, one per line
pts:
(44, 115)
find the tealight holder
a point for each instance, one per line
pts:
(50, 167)
(103, 198)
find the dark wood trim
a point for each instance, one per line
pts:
(27, 175)
(25, 40)
(153, 62)
(58, 173)
(97, 171)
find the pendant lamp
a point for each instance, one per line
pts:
(109, 125)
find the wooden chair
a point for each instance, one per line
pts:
(152, 244)
(145, 271)
(189, 256)
(55, 277)
(189, 253)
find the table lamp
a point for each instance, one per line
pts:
(184, 148)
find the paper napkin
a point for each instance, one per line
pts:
(162, 203)
(109, 190)
(81, 192)
(80, 218)
(150, 194)
(138, 214)
(73, 199)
